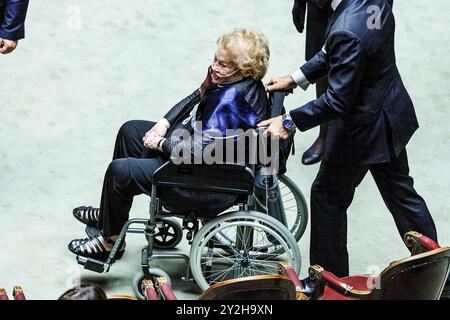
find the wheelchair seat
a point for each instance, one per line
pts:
(204, 189)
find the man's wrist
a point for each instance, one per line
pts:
(286, 116)
(288, 123)
(300, 79)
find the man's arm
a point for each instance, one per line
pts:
(348, 59)
(316, 67)
(13, 26)
(308, 74)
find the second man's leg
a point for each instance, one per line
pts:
(314, 153)
(331, 194)
(408, 208)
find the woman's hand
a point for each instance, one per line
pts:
(151, 140)
(160, 128)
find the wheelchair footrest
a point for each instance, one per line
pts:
(92, 264)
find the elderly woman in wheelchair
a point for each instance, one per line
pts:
(231, 97)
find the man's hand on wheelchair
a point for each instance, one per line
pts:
(7, 46)
(275, 128)
(285, 83)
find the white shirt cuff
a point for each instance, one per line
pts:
(300, 79)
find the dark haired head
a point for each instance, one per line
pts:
(84, 292)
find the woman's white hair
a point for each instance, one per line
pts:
(249, 50)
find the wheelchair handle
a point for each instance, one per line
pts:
(277, 100)
(261, 129)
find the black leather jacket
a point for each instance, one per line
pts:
(238, 105)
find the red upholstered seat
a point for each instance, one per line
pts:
(421, 276)
(362, 283)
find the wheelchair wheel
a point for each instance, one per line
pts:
(168, 233)
(254, 237)
(295, 206)
(139, 277)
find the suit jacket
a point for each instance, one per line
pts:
(366, 105)
(12, 19)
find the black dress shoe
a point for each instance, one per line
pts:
(312, 156)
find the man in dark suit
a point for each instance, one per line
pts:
(370, 120)
(12, 20)
(318, 14)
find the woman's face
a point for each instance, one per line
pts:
(224, 69)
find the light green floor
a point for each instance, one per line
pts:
(66, 91)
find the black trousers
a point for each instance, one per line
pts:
(332, 193)
(129, 174)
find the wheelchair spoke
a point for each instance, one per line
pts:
(220, 244)
(286, 201)
(225, 274)
(257, 270)
(223, 257)
(220, 273)
(272, 263)
(249, 234)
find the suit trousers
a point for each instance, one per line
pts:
(332, 193)
(129, 174)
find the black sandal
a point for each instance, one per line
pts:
(93, 247)
(74, 244)
(87, 215)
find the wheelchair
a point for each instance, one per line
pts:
(259, 226)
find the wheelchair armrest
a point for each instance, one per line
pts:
(149, 290)
(276, 101)
(165, 289)
(323, 278)
(285, 269)
(227, 177)
(418, 243)
(259, 130)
